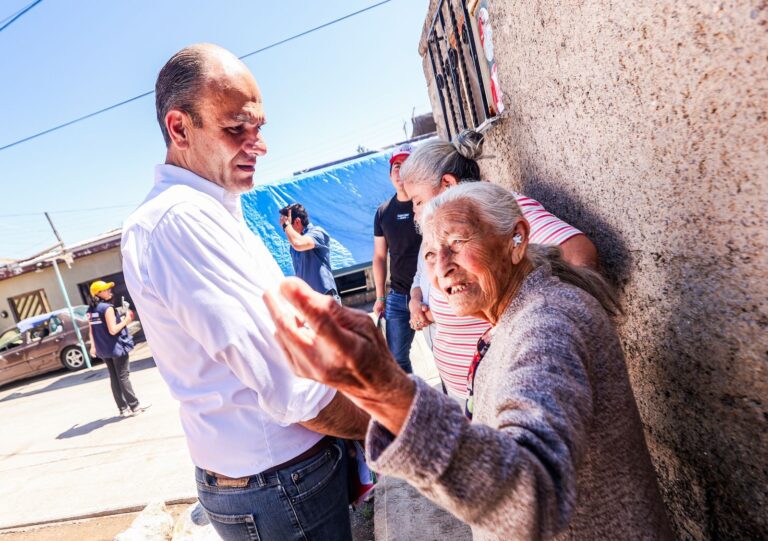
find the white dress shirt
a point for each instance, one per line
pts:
(197, 274)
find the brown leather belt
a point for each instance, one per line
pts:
(242, 482)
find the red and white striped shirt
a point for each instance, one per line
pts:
(546, 228)
(454, 343)
(456, 338)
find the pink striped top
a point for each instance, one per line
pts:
(456, 338)
(546, 228)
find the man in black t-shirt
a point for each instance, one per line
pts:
(394, 232)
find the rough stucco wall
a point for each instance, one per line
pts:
(646, 125)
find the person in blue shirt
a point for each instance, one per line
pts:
(111, 342)
(310, 250)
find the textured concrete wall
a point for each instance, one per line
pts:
(646, 125)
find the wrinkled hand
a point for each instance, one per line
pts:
(325, 342)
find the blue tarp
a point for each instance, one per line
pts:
(342, 199)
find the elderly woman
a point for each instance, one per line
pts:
(431, 169)
(555, 446)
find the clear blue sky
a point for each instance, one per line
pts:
(353, 83)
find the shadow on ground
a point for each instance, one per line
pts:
(76, 378)
(87, 428)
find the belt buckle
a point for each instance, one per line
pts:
(229, 482)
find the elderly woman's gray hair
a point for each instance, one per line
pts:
(498, 208)
(433, 159)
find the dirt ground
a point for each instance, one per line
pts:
(105, 528)
(90, 529)
(362, 522)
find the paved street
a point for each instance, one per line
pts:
(65, 452)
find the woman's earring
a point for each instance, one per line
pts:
(517, 239)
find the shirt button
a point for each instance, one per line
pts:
(295, 476)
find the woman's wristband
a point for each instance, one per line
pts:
(381, 298)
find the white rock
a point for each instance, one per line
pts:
(154, 523)
(193, 525)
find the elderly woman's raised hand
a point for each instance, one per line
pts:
(323, 341)
(340, 347)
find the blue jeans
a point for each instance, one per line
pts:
(399, 332)
(307, 501)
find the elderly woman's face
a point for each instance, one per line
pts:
(465, 259)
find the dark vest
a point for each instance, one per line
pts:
(107, 345)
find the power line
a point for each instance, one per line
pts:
(10, 16)
(93, 208)
(77, 120)
(41, 213)
(124, 102)
(17, 15)
(329, 23)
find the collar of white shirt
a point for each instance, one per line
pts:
(171, 174)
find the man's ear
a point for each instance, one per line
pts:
(177, 123)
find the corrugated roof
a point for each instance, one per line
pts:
(94, 245)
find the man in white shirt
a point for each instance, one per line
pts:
(260, 437)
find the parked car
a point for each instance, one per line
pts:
(42, 343)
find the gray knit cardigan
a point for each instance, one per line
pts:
(556, 447)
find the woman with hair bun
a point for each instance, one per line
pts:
(431, 169)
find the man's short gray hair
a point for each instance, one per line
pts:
(178, 86)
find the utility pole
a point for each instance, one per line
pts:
(55, 262)
(55, 232)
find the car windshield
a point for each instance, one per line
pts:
(11, 338)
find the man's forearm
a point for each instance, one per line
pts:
(300, 243)
(379, 276)
(340, 418)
